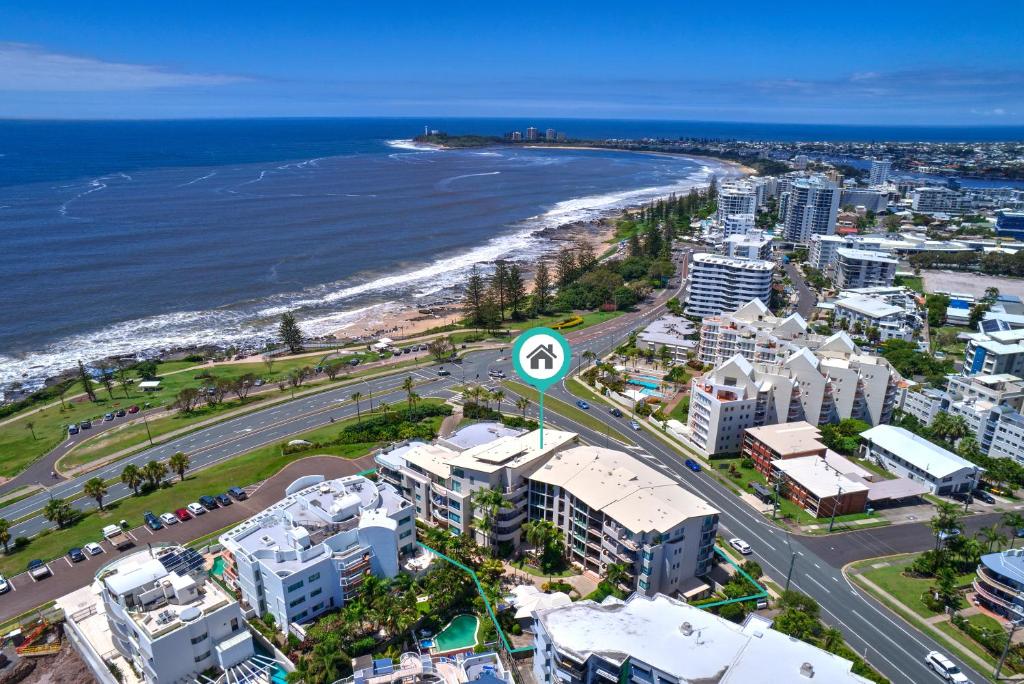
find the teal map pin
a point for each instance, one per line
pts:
(541, 357)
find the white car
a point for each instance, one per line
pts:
(945, 668)
(741, 546)
(93, 549)
(5, 586)
(169, 519)
(196, 508)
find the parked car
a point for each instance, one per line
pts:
(108, 416)
(85, 424)
(93, 549)
(635, 425)
(168, 519)
(353, 362)
(134, 408)
(196, 508)
(583, 405)
(741, 546)
(75, 554)
(259, 382)
(237, 493)
(182, 514)
(984, 496)
(121, 413)
(209, 503)
(945, 668)
(223, 499)
(693, 465)
(152, 522)
(38, 569)
(5, 586)
(72, 429)
(615, 412)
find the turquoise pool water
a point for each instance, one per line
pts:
(460, 634)
(218, 567)
(643, 383)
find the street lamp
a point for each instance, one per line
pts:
(145, 421)
(792, 561)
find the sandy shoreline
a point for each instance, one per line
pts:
(745, 170)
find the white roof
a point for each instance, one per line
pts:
(127, 578)
(865, 255)
(815, 475)
(149, 383)
(512, 452)
(690, 644)
(917, 451)
(869, 306)
(638, 497)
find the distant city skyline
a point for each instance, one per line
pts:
(905, 64)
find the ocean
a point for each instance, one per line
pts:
(138, 236)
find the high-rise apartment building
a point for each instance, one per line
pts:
(809, 208)
(720, 283)
(736, 197)
(531, 134)
(879, 174)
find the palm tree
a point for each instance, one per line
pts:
(356, 396)
(991, 536)
(154, 472)
(498, 396)
(179, 463)
(5, 533)
(539, 534)
(522, 403)
(97, 489)
(31, 427)
(1014, 522)
(615, 574)
(58, 511)
(407, 386)
(831, 638)
(132, 476)
(489, 501)
(588, 356)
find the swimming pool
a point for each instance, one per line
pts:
(458, 635)
(643, 383)
(218, 567)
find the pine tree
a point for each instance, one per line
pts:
(565, 267)
(290, 333)
(515, 290)
(83, 375)
(476, 290)
(585, 257)
(499, 281)
(541, 289)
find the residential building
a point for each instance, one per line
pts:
(658, 639)
(995, 353)
(737, 224)
(1010, 224)
(751, 245)
(871, 199)
(769, 443)
(834, 382)
(931, 200)
(549, 135)
(809, 208)
(719, 283)
(857, 268)
(999, 583)
(736, 198)
(612, 507)
(879, 174)
(309, 552)
(915, 458)
(422, 667)
(860, 314)
(670, 332)
(924, 403)
(157, 613)
(1008, 436)
(440, 479)
(531, 134)
(818, 488)
(753, 332)
(824, 250)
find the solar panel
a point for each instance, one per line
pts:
(990, 325)
(183, 562)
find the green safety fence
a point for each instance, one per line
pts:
(762, 593)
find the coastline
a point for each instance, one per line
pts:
(741, 168)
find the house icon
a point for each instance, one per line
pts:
(542, 354)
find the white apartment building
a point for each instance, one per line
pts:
(870, 199)
(439, 480)
(755, 333)
(824, 250)
(809, 208)
(1008, 437)
(915, 458)
(834, 382)
(657, 639)
(751, 245)
(929, 200)
(157, 612)
(857, 268)
(736, 197)
(995, 353)
(924, 404)
(879, 174)
(310, 551)
(861, 313)
(718, 283)
(669, 332)
(613, 508)
(737, 224)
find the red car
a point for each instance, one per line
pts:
(183, 514)
(133, 409)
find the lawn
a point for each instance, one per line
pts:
(915, 283)
(681, 411)
(907, 590)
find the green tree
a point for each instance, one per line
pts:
(5, 533)
(179, 463)
(95, 488)
(407, 385)
(31, 427)
(945, 590)
(290, 333)
(476, 289)
(499, 283)
(59, 512)
(488, 501)
(133, 477)
(515, 290)
(522, 403)
(1014, 522)
(541, 289)
(87, 387)
(991, 536)
(499, 395)
(154, 472)
(355, 397)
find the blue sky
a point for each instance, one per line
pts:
(912, 63)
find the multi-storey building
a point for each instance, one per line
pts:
(755, 333)
(809, 208)
(857, 268)
(871, 200)
(995, 353)
(613, 508)
(1010, 224)
(309, 552)
(999, 583)
(737, 224)
(440, 479)
(879, 174)
(751, 245)
(736, 197)
(834, 382)
(658, 639)
(718, 283)
(915, 458)
(862, 313)
(669, 332)
(824, 250)
(531, 134)
(164, 617)
(930, 200)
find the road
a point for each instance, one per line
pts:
(806, 299)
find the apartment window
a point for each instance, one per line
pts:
(405, 534)
(456, 486)
(317, 607)
(315, 592)
(202, 656)
(200, 638)
(644, 585)
(301, 616)
(452, 503)
(458, 472)
(297, 585)
(454, 517)
(298, 601)
(404, 521)
(313, 578)
(234, 624)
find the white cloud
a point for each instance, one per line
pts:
(32, 68)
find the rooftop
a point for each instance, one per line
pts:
(916, 450)
(475, 434)
(869, 306)
(865, 255)
(815, 475)
(789, 438)
(732, 262)
(512, 452)
(624, 488)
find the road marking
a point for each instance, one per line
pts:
(11, 582)
(68, 561)
(817, 566)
